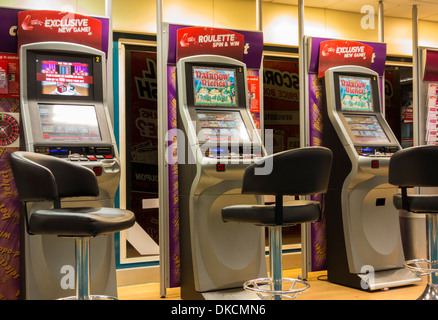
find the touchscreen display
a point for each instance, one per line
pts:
(366, 128)
(69, 123)
(214, 86)
(222, 126)
(65, 78)
(355, 93)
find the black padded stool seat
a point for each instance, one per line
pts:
(294, 212)
(41, 177)
(416, 167)
(80, 222)
(417, 203)
(303, 171)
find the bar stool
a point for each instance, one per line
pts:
(303, 171)
(416, 167)
(46, 178)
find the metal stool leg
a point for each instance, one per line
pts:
(276, 280)
(431, 291)
(83, 268)
(275, 250)
(82, 245)
(276, 287)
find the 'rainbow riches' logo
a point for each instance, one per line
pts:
(212, 78)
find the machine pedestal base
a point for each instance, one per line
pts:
(387, 279)
(376, 280)
(230, 294)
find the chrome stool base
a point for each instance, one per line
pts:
(263, 288)
(423, 267)
(430, 293)
(91, 297)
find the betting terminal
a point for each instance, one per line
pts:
(217, 141)
(64, 114)
(364, 247)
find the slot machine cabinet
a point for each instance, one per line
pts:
(65, 114)
(218, 141)
(364, 248)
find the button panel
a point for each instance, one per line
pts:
(78, 153)
(377, 151)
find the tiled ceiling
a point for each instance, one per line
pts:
(426, 9)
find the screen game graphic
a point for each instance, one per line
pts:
(366, 128)
(69, 123)
(64, 78)
(356, 94)
(214, 86)
(222, 126)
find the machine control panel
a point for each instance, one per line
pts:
(376, 151)
(232, 152)
(77, 153)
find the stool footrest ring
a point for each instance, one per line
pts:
(292, 288)
(421, 267)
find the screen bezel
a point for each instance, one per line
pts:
(34, 88)
(209, 68)
(392, 139)
(354, 139)
(239, 83)
(374, 91)
(31, 99)
(376, 108)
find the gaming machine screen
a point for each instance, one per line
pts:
(64, 76)
(219, 126)
(214, 86)
(366, 128)
(69, 122)
(355, 93)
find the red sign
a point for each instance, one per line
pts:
(333, 53)
(45, 25)
(9, 76)
(431, 65)
(254, 93)
(203, 40)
